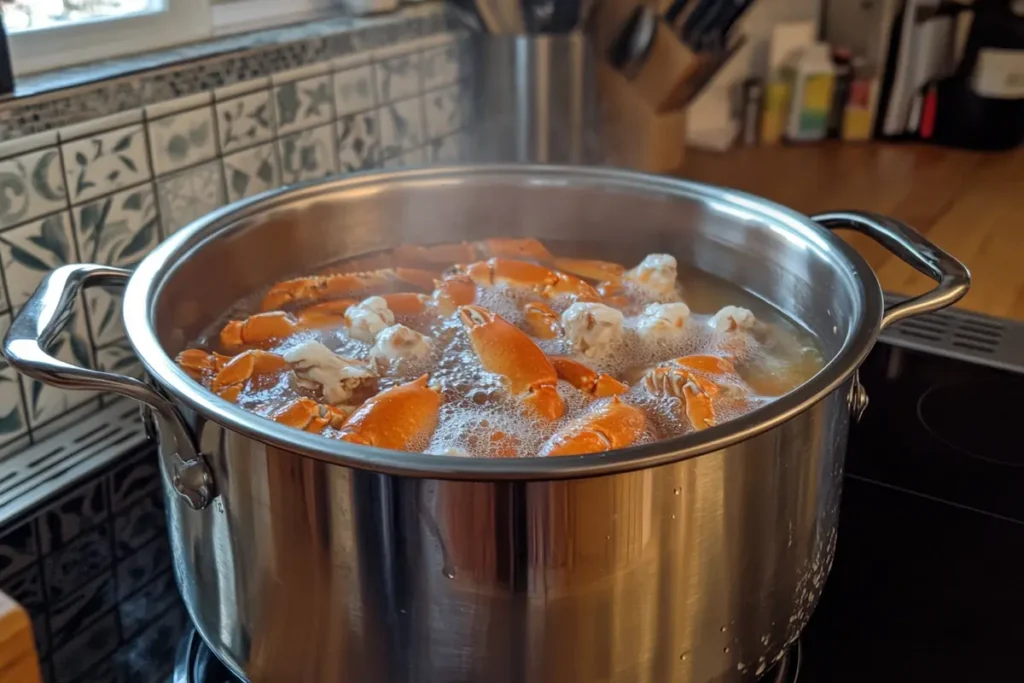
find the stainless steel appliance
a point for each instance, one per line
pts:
(306, 559)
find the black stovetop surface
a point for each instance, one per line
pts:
(928, 578)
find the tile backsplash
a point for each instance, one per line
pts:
(89, 556)
(110, 189)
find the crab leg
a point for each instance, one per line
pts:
(542, 280)
(305, 290)
(506, 350)
(201, 365)
(690, 379)
(543, 322)
(454, 291)
(308, 415)
(236, 373)
(592, 269)
(398, 418)
(596, 384)
(258, 330)
(611, 426)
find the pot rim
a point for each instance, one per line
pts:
(149, 275)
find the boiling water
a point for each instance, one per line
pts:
(479, 417)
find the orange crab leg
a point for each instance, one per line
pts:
(515, 248)
(310, 289)
(407, 303)
(325, 313)
(397, 418)
(696, 392)
(592, 269)
(611, 426)
(506, 350)
(308, 415)
(258, 329)
(454, 291)
(548, 282)
(201, 365)
(231, 379)
(543, 322)
(596, 384)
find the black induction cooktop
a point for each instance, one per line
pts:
(928, 579)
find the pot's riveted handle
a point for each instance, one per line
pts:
(42, 319)
(915, 250)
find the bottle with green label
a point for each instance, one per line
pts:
(813, 77)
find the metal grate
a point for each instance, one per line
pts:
(972, 337)
(37, 473)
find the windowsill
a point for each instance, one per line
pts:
(34, 85)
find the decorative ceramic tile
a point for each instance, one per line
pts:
(154, 598)
(120, 358)
(79, 610)
(13, 424)
(401, 126)
(134, 479)
(139, 569)
(76, 512)
(18, 549)
(45, 402)
(444, 111)
(31, 185)
(28, 252)
(251, 171)
(88, 648)
(440, 66)
(353, 90)
(118, 230)
(182, 139)
(102, 163)
(190, 194)
(308, 154)
(357, 141)
(303, 104)
(139, 524)
(77, 563)
(245, 121)
(447, 149)
(398, 77)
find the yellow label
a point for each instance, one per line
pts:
(818, 93)
(776, 108)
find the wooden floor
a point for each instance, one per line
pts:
(970, 204)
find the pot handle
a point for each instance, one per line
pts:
(42, 319)
(915, 250)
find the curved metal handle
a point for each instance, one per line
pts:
(915, 250)
(42, 319)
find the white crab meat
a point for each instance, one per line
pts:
(369, 317)
(733, 319)
(592, 329)
(656, 273)
(399, 343)
(316, 367)
(663, 322)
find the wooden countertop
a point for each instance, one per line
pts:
(969, 203)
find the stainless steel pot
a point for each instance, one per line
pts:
(305, 559)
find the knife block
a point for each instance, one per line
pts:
(635, 135)
(18, 660)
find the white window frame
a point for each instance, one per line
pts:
(179, 22)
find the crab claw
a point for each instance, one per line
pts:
(306, 290)
(544, 281)
(506, 350)
(610, 426)
(583, 378)
(258, 330)
(397, 418)
(237, 372)
(698, 381)
(201, 365)
(407, 303)
(543, 322)
(454, 291)
(308, 415)
(325, 313)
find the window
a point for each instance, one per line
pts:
(49, 34)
